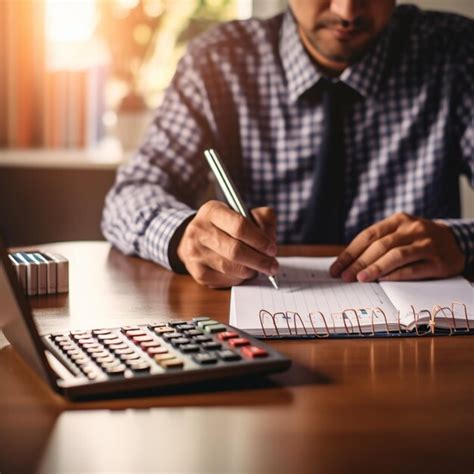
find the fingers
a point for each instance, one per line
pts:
(394, 259)
(241, 229)
(417, 271)
(221, 248)
(224, 248)
(400, 247)
(362, 241)
(207, 276)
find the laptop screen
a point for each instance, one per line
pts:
(16, 320)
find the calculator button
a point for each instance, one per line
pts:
(95, 351)
(163, 330)
(68, 347)
(130, 328)
(203, 339)
(98, 355)
(156, 325)
(171, 335)
(172, 364)
(88, 340)
(119, 345)
(147, 344)
(193, 332)
(100, 332)
(115, 370)
(227, 355)
(175, 322)
(200, 318)
(92, 375)
(79, 332)
(144, 338)
(110, 342)
(106, 337)
(238, 342)
(135, 332)
(211, 346)
(161, 357)
(91, 345)
(189, 348)
(105, 360)
(207, 322)
(223, 336)
(213, 328)
(179, 341)
(156, 350)
(184, 327)
(205, 358)
(252, 352)
(125, 351)
(140, 367)
(127, 357)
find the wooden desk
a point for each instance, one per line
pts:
(399, 405)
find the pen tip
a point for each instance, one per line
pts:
(274, 282)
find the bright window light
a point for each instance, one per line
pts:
(70, 21)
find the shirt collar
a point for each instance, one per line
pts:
(302, 73)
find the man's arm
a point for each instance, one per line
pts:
(151, 210)
(157, 191)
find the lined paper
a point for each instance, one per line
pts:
(306, 288)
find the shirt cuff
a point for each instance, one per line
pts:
(160, 232)
(463, 230)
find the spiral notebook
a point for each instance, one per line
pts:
(310, 303)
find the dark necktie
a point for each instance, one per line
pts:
(325, 214)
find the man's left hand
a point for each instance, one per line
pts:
(401, 247)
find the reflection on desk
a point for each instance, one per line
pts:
(389, 405)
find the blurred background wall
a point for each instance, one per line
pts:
(79, 81)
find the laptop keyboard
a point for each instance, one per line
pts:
(132, 351)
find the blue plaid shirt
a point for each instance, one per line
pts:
(244, 89)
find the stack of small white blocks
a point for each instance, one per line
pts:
(41, 273)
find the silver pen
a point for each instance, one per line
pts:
(230, 192)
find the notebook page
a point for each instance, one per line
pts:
(305, 289)
(423, 295)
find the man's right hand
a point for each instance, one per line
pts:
(221, 248)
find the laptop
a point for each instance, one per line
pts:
(83, 364)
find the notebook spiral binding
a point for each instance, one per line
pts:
(429, 328)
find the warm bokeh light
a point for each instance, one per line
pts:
(70, 21)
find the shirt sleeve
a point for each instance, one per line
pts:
(160, 187)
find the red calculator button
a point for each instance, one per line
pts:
(223, 336)
(238, 342)
(252, 352)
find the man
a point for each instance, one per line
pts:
(255, 91)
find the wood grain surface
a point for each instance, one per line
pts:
(369, 405)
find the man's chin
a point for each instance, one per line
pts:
(340, 51)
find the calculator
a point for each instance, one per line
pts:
(160, 354)
(87, 363)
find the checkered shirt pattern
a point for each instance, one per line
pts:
(245, 88)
